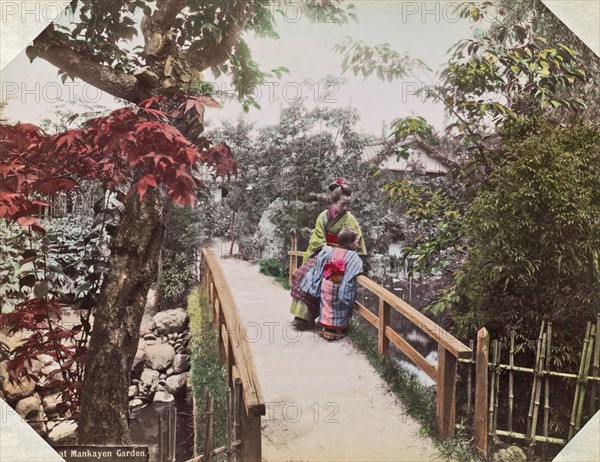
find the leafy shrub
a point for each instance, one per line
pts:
(58, 265)
(275, 268)
(13, 242)
(208, 373)
(182, 239)
(534, 233)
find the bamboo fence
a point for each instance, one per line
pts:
(487, 391)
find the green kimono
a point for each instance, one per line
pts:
(326, 225)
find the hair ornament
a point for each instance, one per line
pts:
(337, 184)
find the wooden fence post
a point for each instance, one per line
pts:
(251, 437)
(227, 353)
(481, 392)
(445, 406)
(383, 343)
(293, 258)
(207, 454)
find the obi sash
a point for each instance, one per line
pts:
(334, 268)
(331, 221)
(331, 239)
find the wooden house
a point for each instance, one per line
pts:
(410, 155)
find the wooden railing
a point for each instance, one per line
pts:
(235, 352)
(449, 348)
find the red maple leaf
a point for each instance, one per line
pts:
(141, 186)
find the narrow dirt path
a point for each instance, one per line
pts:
(324, 402)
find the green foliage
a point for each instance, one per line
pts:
(386, 63)
(409, 130)
(103, 32)
(271, 267)
(433, 207)
(512, 20)
(510, 71)
(182, 239)
(45, 269)
(13, 243)
(208, 373)
(535, 233)
(275, 268)
(71, 255)
(406, 126)
(68, 239)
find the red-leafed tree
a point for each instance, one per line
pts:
(140, 147)
(181, 39)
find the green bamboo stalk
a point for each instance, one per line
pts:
(497, 353)
(535, 380)
(578, 384)
(595, 368)
(547, 381)
(493, 379)
(511, 394)
(547, 389)
(542, 439)
(492, 389)
(538, 390)
(586, 368)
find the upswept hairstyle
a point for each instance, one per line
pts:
(338, 189)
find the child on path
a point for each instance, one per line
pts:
(333, 280)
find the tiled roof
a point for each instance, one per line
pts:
(379, 150)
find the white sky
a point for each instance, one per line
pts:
(424, 29)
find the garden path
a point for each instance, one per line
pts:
(323, 400)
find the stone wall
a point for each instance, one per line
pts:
(160, 374)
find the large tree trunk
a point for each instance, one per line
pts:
(134, 266)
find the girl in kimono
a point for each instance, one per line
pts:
(330, 222)
(333, 280)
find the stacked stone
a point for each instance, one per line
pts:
(160, 374)
(161, 365)
(27, 398)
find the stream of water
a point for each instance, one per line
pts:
(416, 293)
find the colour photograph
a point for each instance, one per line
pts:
(299, 230)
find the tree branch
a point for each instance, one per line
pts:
(103, 77)
(156, 28)
(218, 53)
(164, 16)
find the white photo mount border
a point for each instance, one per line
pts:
(22, 20)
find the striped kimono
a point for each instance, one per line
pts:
(333, 280)
(327, 227)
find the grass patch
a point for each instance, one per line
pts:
(275, 268)
(208, 373)
(416, 397)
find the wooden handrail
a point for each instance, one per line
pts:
(433, 330)
(253, 397)
(450, 349)
(442, 337)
